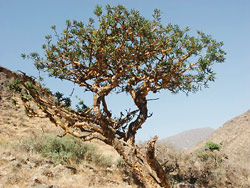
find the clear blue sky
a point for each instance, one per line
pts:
(23, 25)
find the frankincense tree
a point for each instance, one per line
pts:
(122, 52)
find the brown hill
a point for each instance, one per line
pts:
(234, 137)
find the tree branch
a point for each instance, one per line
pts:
(141, 102)
(154, 163)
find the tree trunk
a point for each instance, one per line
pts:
(154, 163)
(144, 171)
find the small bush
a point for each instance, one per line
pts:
(66, 150)
(212, 146)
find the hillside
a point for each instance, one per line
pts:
(21, 167)
(187, 139)
(13, 121)
(233, 136)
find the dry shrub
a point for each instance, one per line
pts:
(65, 150)
(204, 168)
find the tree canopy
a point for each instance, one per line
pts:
(130, 52)
(120, 51)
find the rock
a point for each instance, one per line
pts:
(185, 185)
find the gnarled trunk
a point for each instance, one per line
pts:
(142, 166)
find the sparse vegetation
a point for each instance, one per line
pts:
(204, 168)
(65, 150)
(24, 168)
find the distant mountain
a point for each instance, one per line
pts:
(187, 139)
(234, 137)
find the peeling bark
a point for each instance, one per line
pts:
(137, 162)
(154, 163)
(141, 102)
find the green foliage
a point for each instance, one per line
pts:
(26, 111)
(30, 85)
(15, 85)
(58, 95)
(67, 101)
(48, 91)
(81, 107)
(67, 150)
(98, 11)
(56, 102)
(212, 146)
(60, 99)
(41, 79)
(125, 40)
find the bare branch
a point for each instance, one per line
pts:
(153, 99)
(154, 163)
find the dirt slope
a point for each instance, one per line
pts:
(13, 121)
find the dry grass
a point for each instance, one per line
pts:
(23, 168)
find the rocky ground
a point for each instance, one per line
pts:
(31, 170)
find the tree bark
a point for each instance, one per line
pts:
(146, 172)
(154, 163)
